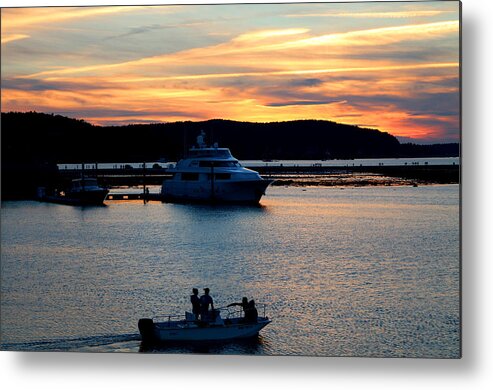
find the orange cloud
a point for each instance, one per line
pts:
(377, 36)
(245, 50)
(25, 18)
(257, 36)
(304, 72)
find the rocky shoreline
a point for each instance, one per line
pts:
(350, 181)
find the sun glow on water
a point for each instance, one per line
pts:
(356, 272)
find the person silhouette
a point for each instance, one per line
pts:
(251, 313)
(243, 304)
(205, 301)
(195, 300)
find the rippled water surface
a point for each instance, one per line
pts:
(345, 271)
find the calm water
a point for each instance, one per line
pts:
(346, 272)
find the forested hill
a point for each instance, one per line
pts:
(41, 137)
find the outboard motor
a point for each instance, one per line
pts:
(146, 329)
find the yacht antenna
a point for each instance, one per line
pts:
(184, 141)
(201, 139)
(82, 175)
(212, 181)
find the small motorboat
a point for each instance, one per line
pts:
(84, 191)
(175, 328)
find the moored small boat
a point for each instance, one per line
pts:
(84, 191)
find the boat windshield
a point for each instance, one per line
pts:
(229, 164)
(218, 153)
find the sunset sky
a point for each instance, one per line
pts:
(390, 66)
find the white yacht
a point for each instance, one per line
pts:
(212, 174)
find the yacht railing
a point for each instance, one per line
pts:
(162, 318)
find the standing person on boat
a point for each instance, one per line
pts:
(251, 313)
(195, 300)
(205, 301)
(243, 304)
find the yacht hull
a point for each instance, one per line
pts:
(83, 198)
(244, 191)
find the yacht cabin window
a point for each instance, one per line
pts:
(220, 176)
(221, 164)
(189, 176)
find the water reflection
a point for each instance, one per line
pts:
(251, 346)
(217, 208)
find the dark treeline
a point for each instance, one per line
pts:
(45, 138)
(435, 150)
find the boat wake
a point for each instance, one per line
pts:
(69, 344)
(118, 343)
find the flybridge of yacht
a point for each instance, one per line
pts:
(213, 163)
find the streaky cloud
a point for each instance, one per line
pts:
(303, 103)
(104, 113)
(25, 18)
(375, 14)
(376, 36)
(249, 74)
(245, 46)
(310, 82)
(6, 38)
(256, 36)
(154, 27)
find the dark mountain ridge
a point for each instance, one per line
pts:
(38, 137)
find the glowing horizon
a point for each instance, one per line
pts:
(389, 66)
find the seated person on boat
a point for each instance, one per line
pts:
(249, 310)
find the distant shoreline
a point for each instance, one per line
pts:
(311, 176)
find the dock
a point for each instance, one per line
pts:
(25, 180)
(137, 177)
(135, 196)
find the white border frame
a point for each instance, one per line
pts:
(48, 370)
